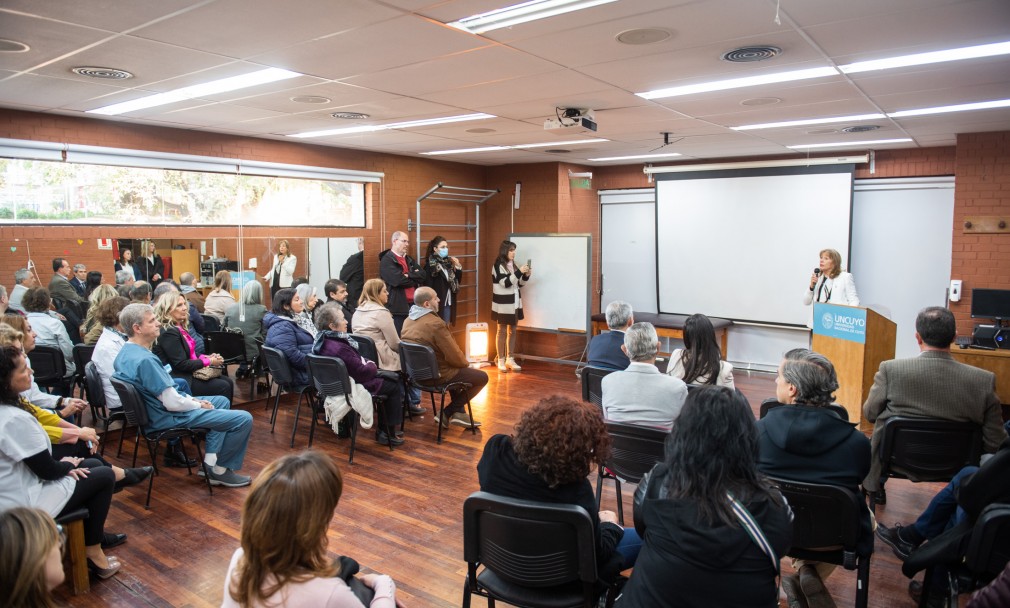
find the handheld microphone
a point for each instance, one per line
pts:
(817, 272)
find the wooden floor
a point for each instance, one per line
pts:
(400, 511)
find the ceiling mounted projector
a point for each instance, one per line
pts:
(571, 120)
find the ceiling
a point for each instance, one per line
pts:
(395, 60)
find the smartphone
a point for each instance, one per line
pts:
(529, 263)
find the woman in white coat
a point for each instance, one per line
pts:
(829, 284)
(282, 273)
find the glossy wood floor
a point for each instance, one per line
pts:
(400, 511)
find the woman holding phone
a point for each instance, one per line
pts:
(507, 279)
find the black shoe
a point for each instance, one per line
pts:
(343, 430)
(937, 595)
(892, 538)
(416, 410)
(385, 439)
(133, 477)
(110, 540)
(175, 457)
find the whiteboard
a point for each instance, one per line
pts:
(558, 294)
(628, 248)
(743, 244)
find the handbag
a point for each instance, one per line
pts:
(753, 529)
(207, 373)
(348, 568)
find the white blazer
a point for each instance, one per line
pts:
(286, 270)
(840, 290)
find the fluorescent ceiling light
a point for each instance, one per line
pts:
(964, 107)
(737, 83)
(756, 164)
(393, 125)
(637, 156)
(515, 147)
(198, 90)
(845, 144)
(812, 121)
(968, 52)
(521, 13)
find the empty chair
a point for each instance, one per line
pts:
(49, 366)
(280, 371)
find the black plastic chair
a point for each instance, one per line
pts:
(531, 554)
(420, 365)
(82, 356)
(772, 403)
(99, 408)
(231, 346)
(987, 554)
(828, 516)
(926, 449)
(330, 379)
(136, 414)
(49, 366)
(592, 384)
(280, 370)
(210, 323)
(634, 451)
(368, 350)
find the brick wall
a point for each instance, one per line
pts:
(981, 188)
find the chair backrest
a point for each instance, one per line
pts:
(592, 384)
(280, 369)
(989, 547)
(367, 348)
(93, 386)
(533, 544)
(927, 449)
(48, 365)
(133, 404)
(228, 344)
(634, 450)
(210, 323)
(329, 376)
(82, 355)
(772, 403)
(418, 362)
(823, 515)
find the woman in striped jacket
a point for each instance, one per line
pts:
(506, 306)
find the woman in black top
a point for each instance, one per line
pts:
(177, 348)
(444, 276)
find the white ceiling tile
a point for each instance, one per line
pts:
(47, 40)
(48, 92)
(109, 15)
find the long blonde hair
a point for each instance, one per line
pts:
(284, 523)
(163, 310)
(28, 537)
(371, 290)
(101, 293)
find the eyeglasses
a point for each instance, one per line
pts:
(63, 539)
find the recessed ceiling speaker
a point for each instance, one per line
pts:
(106, 73)
(750, 54)
(349, 115)
(310, 99)
(645, 35)
(860, 128)
(760, 101)
(13, 46)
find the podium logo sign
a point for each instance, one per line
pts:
(842, 322)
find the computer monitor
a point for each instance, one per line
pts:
(990, 303)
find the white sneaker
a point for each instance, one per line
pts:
(461, 419)
(512, 365)
(501, 366)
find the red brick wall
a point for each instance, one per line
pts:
(981, 188)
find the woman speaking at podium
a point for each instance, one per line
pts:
(829, 284)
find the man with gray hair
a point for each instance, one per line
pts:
(193, 296)
(141, 292)
(78, 282)
(641, 394)
(124, 282)
(605, 350)
(402, 276)
(23, 280)
(168, 408)
(805, 441)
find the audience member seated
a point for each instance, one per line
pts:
(23, 281)
(220, 299)
(167, 408)
(687, 510)
(108, 346)
(60, 287)
(4, 301)
(548, 459)
(92, 282)
(807, 442)
(373, 319)
(951, 513)
(78, 279)
(186, 281)
(196, 326)
(605, 349)
(31, 557)
(141, 292)
(932, 385)
(305, 319)
(91, 329)
(641, 394)
(283, 560)
(50, 331)
(336, 291)
(424, 326)
(284, 334)
(334, 341)
(700, 361)
(66, 407)
(176, 348)
(247, 316)
(124, 282)
(996, 594)
(31, 477)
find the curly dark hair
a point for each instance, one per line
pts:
(559, 440)
(36, 299)
(108, 311)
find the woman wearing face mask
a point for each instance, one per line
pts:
(444, 276)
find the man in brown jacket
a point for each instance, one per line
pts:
(424, 326)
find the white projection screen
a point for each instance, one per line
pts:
(742, 244)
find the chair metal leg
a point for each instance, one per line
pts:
(466, 593)
(273, 416)
(469, 410)
(354, 433)
(294, 427)
(620, 501)
(153, 451)
(136, 444)
(599, 487)
(312, 424)
(122, 435)
(438, 414)
(203, 464)
(433, 410)
(863, 582)
(927, 583)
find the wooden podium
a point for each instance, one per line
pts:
(856, 340)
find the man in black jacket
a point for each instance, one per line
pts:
(402, 276)
(353, 274)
